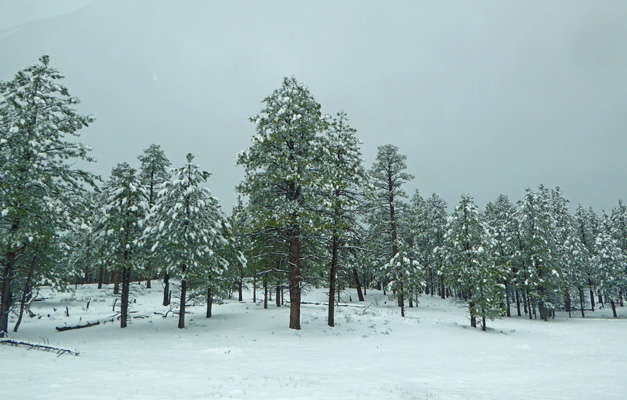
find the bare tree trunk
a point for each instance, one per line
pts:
(332, 277)
(360, 295)
(518, 302)
(116, 281)
(126, 284)
(473, 318)
(100, 277)
(25, 292)
(581, 302)
(255, 288)
(166, 289)
(509, 311)
(209, 302)
(239, 290)
(183, 300)
(483, 325)
(148, 276)
(265, 292)
(592, 299)
(278, 295)
(7, 297)
(294, 276)
(613, 308)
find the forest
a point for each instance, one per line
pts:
(309, 215)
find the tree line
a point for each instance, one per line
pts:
(309, 215)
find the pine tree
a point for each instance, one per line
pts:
(387, 177)
(343, 184)
(282, 173)
(612, 267)
(37, 177)
(154, 172)
(469, 262)
(501, 217)
(187, 227)
(125, 209)
(542, 272)
(587, 229)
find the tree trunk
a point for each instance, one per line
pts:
(442, 288)
(613, 308)
(483, 325)
(358, 284)
(581, 302)
(166, 289)
(278, 295)
(255, 289)
(209, 302)
(239, 290)
(182, 306)
(592, 299)
(332, 277)
(116, 281)
(148, 275)
(294, 276)
(106, 277)
(401, 300)
(126, 285)
(7, 297)
(265, 292)
(518, 302)
(567, 301)
(25, 292)
(600, 299)
(100, 277)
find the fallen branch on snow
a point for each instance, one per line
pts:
(326, 304)
(69, 328)
(38, 346)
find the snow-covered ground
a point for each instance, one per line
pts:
(246, 352)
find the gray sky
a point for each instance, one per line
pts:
(483, 97)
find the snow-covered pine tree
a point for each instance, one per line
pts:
(38, 179)
(121, 227)
(186, 225)
(404, 275)
(387, 177)
(611, 267)
(570, 251)
(542, 272)
(501, 218)
(469, 262)
(342, 187)
(282, 174)
(154, 172)
(430, 227)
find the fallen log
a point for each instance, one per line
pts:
(68, 328)
(38, 346)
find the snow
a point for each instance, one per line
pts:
(246, 352)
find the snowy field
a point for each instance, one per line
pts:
(246, 352)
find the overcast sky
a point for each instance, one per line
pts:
(483, 97)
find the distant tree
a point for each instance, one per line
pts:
(469, 262)
(542, 271)
(612, 268)
(404, 276)
(154, 172)
(121, 227)
(387, 177)
(343, 186)
(187, 225)
(38, 180)
(587, 229)
(282, 173)
(501, 218)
